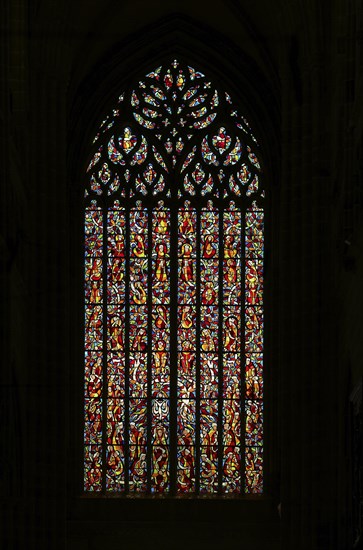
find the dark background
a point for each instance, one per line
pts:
(296, 69)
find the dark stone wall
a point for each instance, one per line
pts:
(297, 67)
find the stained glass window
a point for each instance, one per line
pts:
(174, 254)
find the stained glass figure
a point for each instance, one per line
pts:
(173, 293)
(186, 333)
(254, 249)
(160, 325)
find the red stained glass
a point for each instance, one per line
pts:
(254, 470)
(209, 234)
(234, 187)
(159, 433)
(204, 122)
(209, 422)
(181, 271)
(254, 376)
(186, 469)
(138, 328)
(186, 386)
(186, 252)
(187, 281)
(186, 371)
(232, 234)
(116, 280)
(209, 376)
(254, 235)
(95, 159)
(160, 469)
(104, 174)
(254, 423)
(116, 233)
(93, 421)
(209, 270)
(138, 228)
(93, 374)
(207, 153)
(95, 186)
(187, 228)
(186, 422)
(209, 469)
(160, 411)
(231, 470)
(209, 328)
(93, 432)
(231, 329)
(232, 281)
(160, 463)
(160, 384)
(93, 280)
(221, 141)
(254, 347)
(138, 422)
(186, 326)
(209, 344)
(93, 232)
(115, 425)
(94, 328)
(254, 282)
(231, 376)
(253, 186)
(160, 253)
(161, 286)
(160, 327)
(92, 468)
(138, 281)
(116, 375)
(235, 154)
(138, 375)
(159, 158)
(127, 141)
(116, 328)
(254, 329)
(137, 468)
(115, 478)
(231, 423)
(114, 154)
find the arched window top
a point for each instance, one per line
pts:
(174, 248)
(175, 122)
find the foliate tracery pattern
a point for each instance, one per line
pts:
(177, 123)
(174, 293)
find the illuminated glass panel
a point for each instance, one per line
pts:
(115, 452)
(186, 381)
(232, 356)
(254, 250)
(209, 347)
(93, 227)
(160, 371)
(138, 338)
(174, 318)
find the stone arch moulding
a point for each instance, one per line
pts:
(235, 85)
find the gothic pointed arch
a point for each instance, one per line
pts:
(174, 217)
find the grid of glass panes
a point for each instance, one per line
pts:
(174, 343)
(93, 348)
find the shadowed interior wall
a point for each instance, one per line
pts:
(297, 68)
